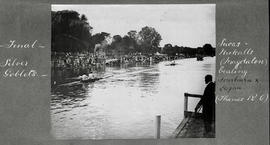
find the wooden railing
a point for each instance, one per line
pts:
(186, 112)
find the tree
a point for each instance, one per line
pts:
(200, 51)
(83, 18)
(134, 41)
(117, 47)
(99, 37)
(133, 34)
(169, 50)
(208, 50)
(117, 39)
(70, 32)
(150, 39)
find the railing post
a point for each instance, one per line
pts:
(158, 121)
(185, 103)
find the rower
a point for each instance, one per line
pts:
(91, 75)
(84, 77)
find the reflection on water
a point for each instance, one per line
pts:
(124, 105)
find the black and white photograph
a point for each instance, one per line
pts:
(140, 71)
(134, 72)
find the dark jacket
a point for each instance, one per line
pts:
(208, 102)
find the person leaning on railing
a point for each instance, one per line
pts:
(207, 103)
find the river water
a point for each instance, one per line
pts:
(124, 105)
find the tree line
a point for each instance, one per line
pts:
(71, 32)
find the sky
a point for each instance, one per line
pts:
(191, 25)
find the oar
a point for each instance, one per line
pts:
(107, 76)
